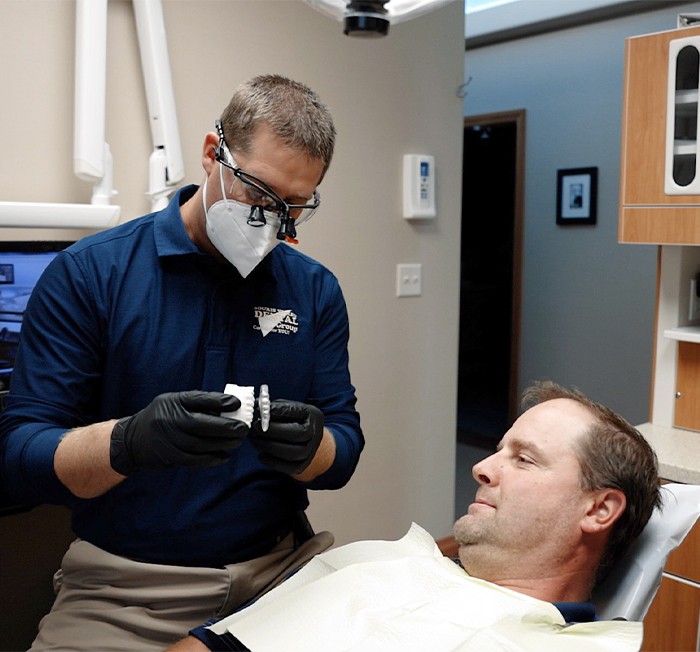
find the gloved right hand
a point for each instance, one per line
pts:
(177, 429)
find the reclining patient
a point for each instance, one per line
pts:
(569, 488)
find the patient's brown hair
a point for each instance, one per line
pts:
(614, 455)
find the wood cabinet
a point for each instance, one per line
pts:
(648, 213)
(672, 620)
(687, 413)
(660, 204)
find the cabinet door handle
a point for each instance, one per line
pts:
(679, 394)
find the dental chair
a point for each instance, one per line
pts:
(629, 589)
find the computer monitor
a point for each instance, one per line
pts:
(21, 265)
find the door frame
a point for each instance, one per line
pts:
(516, 116)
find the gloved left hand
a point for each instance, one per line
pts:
(292, 438)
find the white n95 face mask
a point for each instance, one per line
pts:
(243, 245)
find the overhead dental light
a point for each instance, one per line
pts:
(373, 17)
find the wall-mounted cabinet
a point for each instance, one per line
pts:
(660, 165)
(660, 204)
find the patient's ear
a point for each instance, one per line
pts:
(604, 508)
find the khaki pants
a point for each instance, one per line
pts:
(109, 603)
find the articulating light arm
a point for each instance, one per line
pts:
(166, 167)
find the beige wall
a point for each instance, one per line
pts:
(389, 97)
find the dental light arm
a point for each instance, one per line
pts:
(166, 167)
(89, 144)
(92, 158)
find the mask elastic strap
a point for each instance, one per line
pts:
(223, 189)
(204, 189)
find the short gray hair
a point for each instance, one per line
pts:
(293, 112)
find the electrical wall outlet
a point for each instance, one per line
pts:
(694, 304)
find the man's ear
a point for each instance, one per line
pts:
(604, 508)
(211, 142)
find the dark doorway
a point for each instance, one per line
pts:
(490, 277)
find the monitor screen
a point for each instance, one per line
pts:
(21, 265)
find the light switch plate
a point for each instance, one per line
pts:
(409, 280)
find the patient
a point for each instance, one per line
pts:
(569, 488)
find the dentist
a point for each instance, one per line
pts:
(117, 409)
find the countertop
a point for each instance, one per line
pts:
(678, 452)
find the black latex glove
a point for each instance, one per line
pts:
(177, 429)
(292, 438)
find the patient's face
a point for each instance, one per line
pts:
(529, 504)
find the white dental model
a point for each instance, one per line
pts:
(246, 395)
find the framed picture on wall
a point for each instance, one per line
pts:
(577, 196)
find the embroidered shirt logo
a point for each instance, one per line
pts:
(274, 320)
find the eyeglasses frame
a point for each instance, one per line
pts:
(287, 229)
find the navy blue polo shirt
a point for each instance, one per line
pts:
(137, 310)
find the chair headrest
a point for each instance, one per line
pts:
(629, 589)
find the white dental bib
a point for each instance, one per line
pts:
(403, 596)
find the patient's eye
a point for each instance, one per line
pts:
(524, 458)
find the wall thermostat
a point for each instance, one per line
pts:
(418, 186)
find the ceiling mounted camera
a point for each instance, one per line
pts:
(366, 18)
(373, 17)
